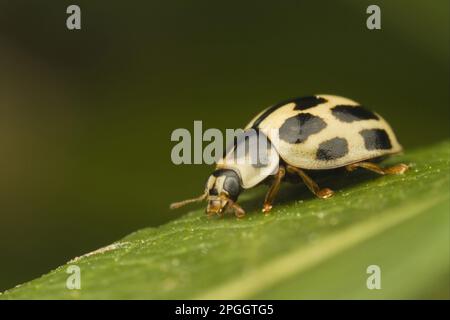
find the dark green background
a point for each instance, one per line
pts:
(86, 116)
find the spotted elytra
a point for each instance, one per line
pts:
(317, 132)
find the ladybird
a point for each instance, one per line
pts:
(319, 132)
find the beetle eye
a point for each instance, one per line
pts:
(231, 185)
(213, 192)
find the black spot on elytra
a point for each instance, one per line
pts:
(332, 149)
(300, 104)
(347, 113)
(308, 102)
(376, 139)
(299, 127)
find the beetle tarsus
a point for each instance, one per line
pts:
(400, 168)
(266, 208)
(325, 193)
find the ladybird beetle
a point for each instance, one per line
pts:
(317, 132)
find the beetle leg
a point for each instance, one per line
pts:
(397, 169)
(273, 190)
(212, 214)
(237, 209)
(311, 184)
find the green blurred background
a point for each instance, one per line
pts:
(86, 116)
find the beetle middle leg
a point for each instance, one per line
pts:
(311, 184)
(273, 190)
(397, 169)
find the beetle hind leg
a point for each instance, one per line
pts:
(322, 193)
(396, 169)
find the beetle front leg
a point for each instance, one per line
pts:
(273, 190)
(237, 209)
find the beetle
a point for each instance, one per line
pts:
(318, 132)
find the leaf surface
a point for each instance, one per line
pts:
(306, 248)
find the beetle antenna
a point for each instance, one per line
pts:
(180, 204)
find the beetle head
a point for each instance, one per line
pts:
(222, 191)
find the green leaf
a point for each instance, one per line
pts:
(306, 248)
